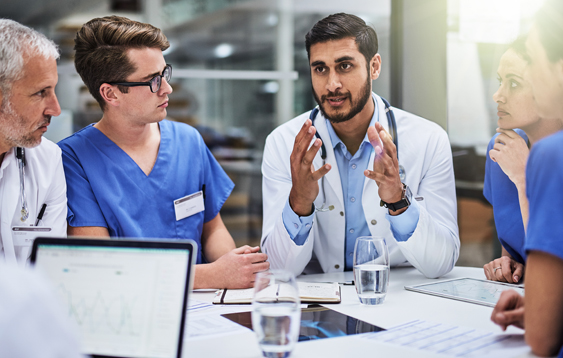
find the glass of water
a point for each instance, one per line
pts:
(276, 312)
(371, 269)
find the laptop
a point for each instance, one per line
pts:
(129, 298)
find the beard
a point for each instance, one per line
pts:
(356, 105)
(13, 127)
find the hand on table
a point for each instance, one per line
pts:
(504, 269)
(385, 166)
(304, 178)
(509, 310)
(511, 153)
(238, 268)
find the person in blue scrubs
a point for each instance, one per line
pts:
(520, 127)
(540, 313)
(134, 174)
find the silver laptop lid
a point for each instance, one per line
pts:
(128, 298)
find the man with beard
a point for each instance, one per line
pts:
(315, 207)
(32, 183)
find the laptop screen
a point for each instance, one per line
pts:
(128, 301)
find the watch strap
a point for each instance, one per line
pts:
(403, 203)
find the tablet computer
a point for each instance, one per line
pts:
(317, 322)
(481, 292)
(128, 298)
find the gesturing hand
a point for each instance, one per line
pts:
(504, 269)
(509, 310)
(238, 267)
(511, 153)
(385, 165)
(304, 178)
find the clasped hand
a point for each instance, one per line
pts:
(511, 153)
(239, 267)
(507, 270)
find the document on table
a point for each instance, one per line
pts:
(207, 326)
(452, 340)
(196, 305)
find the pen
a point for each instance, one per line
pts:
(41, 212)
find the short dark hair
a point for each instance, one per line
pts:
(549, 22)
(340, 26)
(101, 50)
(519, 47)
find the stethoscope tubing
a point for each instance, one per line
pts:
(20, 155)
(390, 121)
(392, 127)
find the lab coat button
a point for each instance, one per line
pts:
(373, 222)
(337, 266)
(342, 213)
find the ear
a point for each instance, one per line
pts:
(110, 94)
(375, 66)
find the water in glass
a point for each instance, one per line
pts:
(277, 328)
(371, 283)
(276, 312)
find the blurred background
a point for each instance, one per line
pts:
(240, 69)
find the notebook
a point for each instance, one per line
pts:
(128, 298)
(309, 292)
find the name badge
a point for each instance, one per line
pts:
(23, 236)
(189, 205)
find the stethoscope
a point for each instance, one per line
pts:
(393, 128)
(20, 156)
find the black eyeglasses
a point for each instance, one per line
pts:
(154, 83)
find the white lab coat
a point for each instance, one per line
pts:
(44, 183)
(425, 153)
(33, 322)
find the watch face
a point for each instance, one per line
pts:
(408, 193)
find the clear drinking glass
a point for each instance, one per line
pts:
(276, 312)
(371, 269)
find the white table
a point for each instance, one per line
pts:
(400, 306)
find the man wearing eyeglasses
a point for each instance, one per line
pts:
(134, 174)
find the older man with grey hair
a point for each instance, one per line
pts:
(32, 187)
(32, 184)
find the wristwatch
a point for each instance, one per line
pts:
(403, 203)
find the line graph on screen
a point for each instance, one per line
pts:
(104, 313)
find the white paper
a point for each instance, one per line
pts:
(318, 290)
(453, 341)
(196, 305)
(211, 326)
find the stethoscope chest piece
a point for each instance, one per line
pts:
(402, 173)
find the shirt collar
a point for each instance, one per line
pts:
(335, 140)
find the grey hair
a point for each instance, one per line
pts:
(15, 41)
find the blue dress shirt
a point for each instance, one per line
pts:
(351, 169)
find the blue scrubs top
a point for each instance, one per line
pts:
(106, 188)
(501, 192)
(544, 175)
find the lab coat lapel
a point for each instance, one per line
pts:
(10, 188)
(370, 187)
(332, 178)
